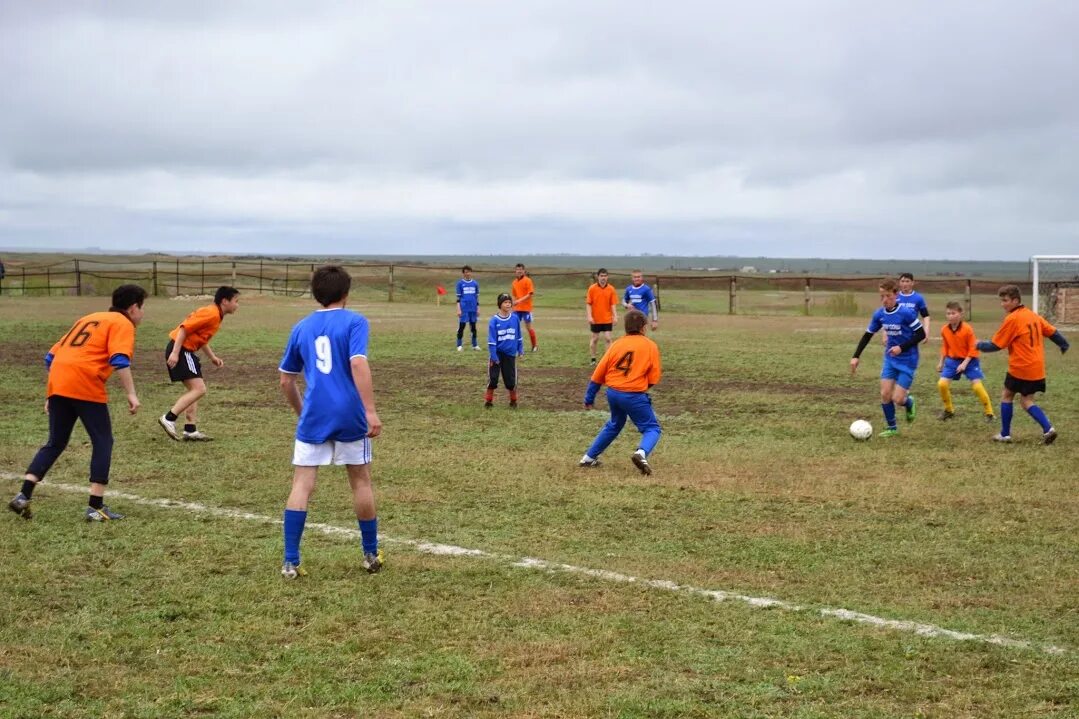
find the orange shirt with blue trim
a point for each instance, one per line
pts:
(80, 360)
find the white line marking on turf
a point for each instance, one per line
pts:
(717, 595)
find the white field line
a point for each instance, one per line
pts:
(717, 595)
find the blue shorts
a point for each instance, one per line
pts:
(468, 316)
(900, 370)
(972, 372)
(524, 316)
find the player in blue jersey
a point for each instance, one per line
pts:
(505, 344)
(337, 411)
(903, 330)
(468, 306)
(639, 296)
(911, 299)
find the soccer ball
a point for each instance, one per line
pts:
(861, 430)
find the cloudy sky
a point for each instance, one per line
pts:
(832, 128)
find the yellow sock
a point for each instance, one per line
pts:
(946, 394)
(981, 394)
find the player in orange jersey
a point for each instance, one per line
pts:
(629, 368)
(600, 303)
(522, 290)
(959, 357)
(193, 334)
(79, 365)
(1022, 332)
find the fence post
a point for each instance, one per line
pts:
(78, 279)
(286, 279)
(260, 277)
(202, 285)
(48, 282)
(153, 277)
(233, 283)
(809, 296)
(177, 276)
(391, 284)
(24, 281)
(659, 305)
(734, 296)
(970, 308)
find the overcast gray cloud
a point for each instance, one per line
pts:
(842, 129)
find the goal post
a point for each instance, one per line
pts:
(1055, 280)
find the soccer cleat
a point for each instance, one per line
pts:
(460, 348)
(990, 418)
(292, 571)
(592, 361)
(488, 404)
(169, 427)
(586, 462)
(1047, 438)
(475, 348)
(1002, 438)
(535, 349)
(513, 404)
(945, 414)
(912, 411)
(889, 432)
(372, 561)
(641, 462)
(102, 515)
(20, 505)
(197, 436)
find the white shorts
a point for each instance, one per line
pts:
(331, 452)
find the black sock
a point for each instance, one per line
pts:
(189, 428)
(28, 488)
(170, 416)
(97, 502)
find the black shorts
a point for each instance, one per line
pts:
(188, 367)
(596, 329)
(1025, 387)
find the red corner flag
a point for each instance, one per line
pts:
(440, 289)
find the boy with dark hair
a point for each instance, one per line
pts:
(1022, 332)
(523, 291)
(505, 345)
(337, 417)
(959, 356)
(468, 306)
(79, 366)
(903, 331)
(629, 368)
(193, 334)
(600, 303)
(913, 300)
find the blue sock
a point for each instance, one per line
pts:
(294, 521)
(1036, 412)
(369, 535)
(909, 402)
(1006, 418)
(889, 413)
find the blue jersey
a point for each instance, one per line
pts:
(899, 323)
(913, 301)
(322, 346)
(640, 297)
(504, 335)
(468, 294)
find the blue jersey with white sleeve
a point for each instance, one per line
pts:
(468, 294)
(322, 346)
(640, 297)
(899, 324)
(504, 335)
(913, 301)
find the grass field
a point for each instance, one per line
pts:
(179, 610)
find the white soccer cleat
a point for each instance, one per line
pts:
(169, 427)
(197, 436)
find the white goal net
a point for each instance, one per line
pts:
(1056, 287)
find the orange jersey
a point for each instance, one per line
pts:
(520, 288)
(200, 326)
(602, 299)
(630, 364)
(80, 363)
(958, 344)
(1022, 333)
